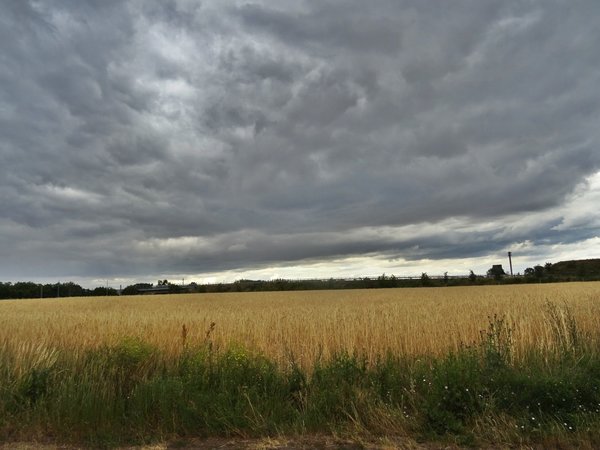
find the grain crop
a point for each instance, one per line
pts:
(303, 325)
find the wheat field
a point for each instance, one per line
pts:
(303, 325)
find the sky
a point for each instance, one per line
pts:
(219, 140)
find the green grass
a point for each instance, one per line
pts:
(133, 393)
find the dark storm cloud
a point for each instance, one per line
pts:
(146, 137)
(328, 26)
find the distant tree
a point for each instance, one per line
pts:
(5, 290)
(104, 291)
(129, 290)
(529, 272)
(25, 289)
(472, 276)
(539, 271)
(496, 272)
(425, 280)
(382, 280)
(71, 289)
(446, 278)
(133, 289)
(330, 283)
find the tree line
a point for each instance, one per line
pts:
(576, 270)
(29, 289)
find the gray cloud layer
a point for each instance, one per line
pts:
(145, 137)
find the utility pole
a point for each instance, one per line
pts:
(510, 262)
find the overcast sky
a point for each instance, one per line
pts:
(218, 140)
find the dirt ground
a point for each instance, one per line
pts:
(298, 443)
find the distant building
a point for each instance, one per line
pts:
(154, 290)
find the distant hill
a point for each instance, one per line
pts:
(577, 268)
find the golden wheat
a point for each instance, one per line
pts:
(304, 324)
